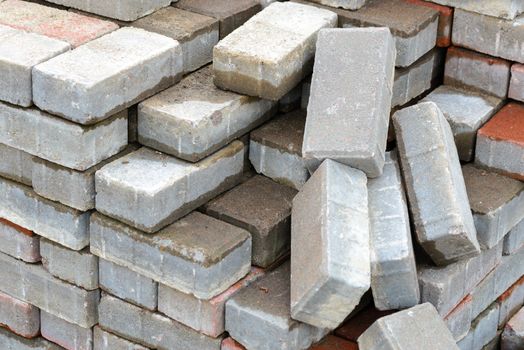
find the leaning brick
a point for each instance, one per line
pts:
(19, 242)
(508, 9)
(11, 341)
(511, 301)
(16, 165)
(483, 329)
(19, 317)
(513, 335)
(68, 335)
(103, 340)
(459, 319)
(514, 240)
(445, 21)
(516, 84)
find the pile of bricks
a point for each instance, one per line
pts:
(260, 174)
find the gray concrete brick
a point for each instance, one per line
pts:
(34, 285)
(106, 341)
(149, 190)
(68, 335)
(397, 331)
(514, 240)
(150, 329)
(435, 186)
(60, 141)
(271, 53)
(330, 255)
(263, 208)
(459, 319)
(394, 280)
(77, 267)
(128, 285)
(143, 62)
(16, 165)
(345, 4)
(19, 53)
(497, 203)
(275, 149)
(18, 316)
(466, 111)
(351, 129)
(511, 301)
(11, 341)
(513, 335)
(197, 255)
(483, 329)
(516, 83)
(22, 206)
(194, 118)
(259, 316)
(19, 242)
(497, 8)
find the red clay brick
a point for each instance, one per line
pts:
(355, 326)
(16, 227)
(507, 125)
(230, 344)
(445, 21)
(334, 343)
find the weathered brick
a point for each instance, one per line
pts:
(19, 317)
(497, 8)
(19, 242)
(511, 301)
(435, 186)
(516, 83)
(513, 335)
(351, 129)
(16, 165)
(483, 329)
(331, 342)
(149, 190)
(11, 341)
(68, 335)
(354, 326)
(87, 77)
(194, 118)
(514, 240)
(459, 319)
(445, 21)
(271, 53)
(103, 340)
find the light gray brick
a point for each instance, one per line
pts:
(16, 165)
(68, 335)
(511, 301)
(516, 84)
(132, 61)
(483, 329)
(513, 335)
(514, 240)
(435, 186)
(350, 128)
(11, 341)
(459, 319)
(19, 242)
(106, 341)
(18, 316)
(497, 8)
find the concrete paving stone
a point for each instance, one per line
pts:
(496, 8)
(445, 21)
(77, 267)
(476, 71)
(262, 207)
(511, 301)
(259, 316)
(19, 52)
(19, 242)
(196, 255)
(68, 335)
(500, 142)
(516, 84)
(16, 165)
(103, 340)
(435, 185)
(204, 316)
(32, 284)
(128, 285)
(396, 331)
(231, 344)
(61, 141)
(331, 342)
(351, 129)
(149, 328)
(483, 329)
(70, 27)
(497, 203)
(490, 35)
(354, 326)
(513, 335)
(230, 14)
(272, 52)
(275, 149)
(466, 111)
(19, 317)
(194, 118)
(459, 319)
(22, 206)
(142, 62)
(197, 34)
(330, 239)
(68, 186)
(11, 341)
(394, 280)
(514, 240)
(345, 4)
(173, 187)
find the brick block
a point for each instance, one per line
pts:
(197, 255)
(173, 187)
(516, 83)
(19, 242)
(459, 319)
(337, 127)
(483, 73)
(345, 4)
(66, 26)
(396, 331)
(271, 53)
(60, 141)
(331, 342)
(231, 344)
(194, 118)
(445, 21)
(103, 340)
(144, 62)
(497, 203)
(466, 112)
(11, 341)
(22, 206)
(513, 335)
(263, 309)
(68, 335)
(263, 208)
(275, 149)
(511, 301)
(330, 256)
(16, 165)
(500, 142)
(436, 190)
(354, 326)
(128, 285)
(77, 267)
(514, 240)
(496, 8)
(394, 280)
(483, 329)
(19, 317)
(148, 328)
(34, 285)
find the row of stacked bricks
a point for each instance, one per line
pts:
(152, 200)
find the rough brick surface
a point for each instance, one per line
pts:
(514, 240)
(68, 335)
(16, 165)
(483, 329)
(459, 319)
(103, 340)
(511, 301)
(497, 8)
(345, 4)
(445, 21)
(19, 242)
(513, 335)
(18, 316)
(516, 84)
(11, 341)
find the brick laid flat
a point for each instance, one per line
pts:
(132, 61)
(271, 53)
(445, 21)
(149, 190)
(497, 8)
(435, 186)
(11, 341)
(513, 335)
(516, 84)
(194, 118)
(19, 317)
(459, 319)
(103, 340)
(16, 165)
(511, 301)
(514, 240)
(68, 335)
(19, 242)
(337, 127)
(483, 329)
